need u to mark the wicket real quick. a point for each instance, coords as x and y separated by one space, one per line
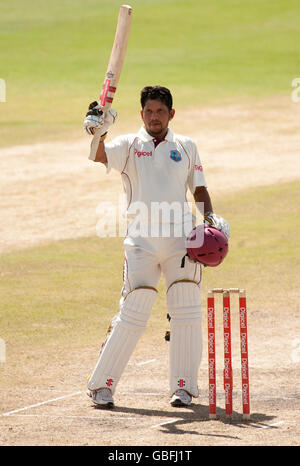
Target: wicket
228 377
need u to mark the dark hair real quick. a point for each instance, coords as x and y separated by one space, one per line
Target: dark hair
157 92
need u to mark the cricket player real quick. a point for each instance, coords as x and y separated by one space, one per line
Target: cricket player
157 167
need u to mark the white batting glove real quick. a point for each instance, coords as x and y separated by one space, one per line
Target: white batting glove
217 222
97 119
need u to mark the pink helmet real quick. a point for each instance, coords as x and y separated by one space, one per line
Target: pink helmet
207 245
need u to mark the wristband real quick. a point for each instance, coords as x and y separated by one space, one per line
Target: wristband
103 136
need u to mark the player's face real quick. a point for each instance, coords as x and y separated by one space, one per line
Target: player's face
156 117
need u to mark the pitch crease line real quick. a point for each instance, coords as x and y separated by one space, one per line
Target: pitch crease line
53 416
41 403
164 423
268 426
145 362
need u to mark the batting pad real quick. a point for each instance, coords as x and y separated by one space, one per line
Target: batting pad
128 326
184 307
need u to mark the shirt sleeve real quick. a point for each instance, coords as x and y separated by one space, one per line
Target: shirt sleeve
196 176
117 153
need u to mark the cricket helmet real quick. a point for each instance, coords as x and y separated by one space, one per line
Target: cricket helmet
207 245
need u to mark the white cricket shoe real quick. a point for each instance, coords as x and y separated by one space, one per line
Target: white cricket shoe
102 397
181 398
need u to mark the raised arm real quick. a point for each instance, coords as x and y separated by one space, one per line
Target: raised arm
97 124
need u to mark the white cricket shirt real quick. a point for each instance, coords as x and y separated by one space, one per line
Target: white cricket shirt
155 174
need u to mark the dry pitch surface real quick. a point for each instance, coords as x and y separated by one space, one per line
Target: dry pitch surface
50 192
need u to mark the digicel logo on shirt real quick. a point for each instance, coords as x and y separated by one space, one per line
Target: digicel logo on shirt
142 154
199 167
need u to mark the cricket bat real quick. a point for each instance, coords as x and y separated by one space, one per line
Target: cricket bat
117 56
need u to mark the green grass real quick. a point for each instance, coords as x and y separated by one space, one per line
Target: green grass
54 54
50 293
65 294
264 255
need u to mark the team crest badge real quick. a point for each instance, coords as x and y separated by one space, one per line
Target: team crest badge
175 155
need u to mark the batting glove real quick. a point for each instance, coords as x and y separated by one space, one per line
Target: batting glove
97 119
217 222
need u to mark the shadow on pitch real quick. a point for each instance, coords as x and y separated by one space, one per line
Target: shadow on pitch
184 417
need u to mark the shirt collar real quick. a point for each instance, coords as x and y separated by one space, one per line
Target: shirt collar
144 136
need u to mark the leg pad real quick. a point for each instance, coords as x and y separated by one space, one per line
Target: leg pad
184 307
127 328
